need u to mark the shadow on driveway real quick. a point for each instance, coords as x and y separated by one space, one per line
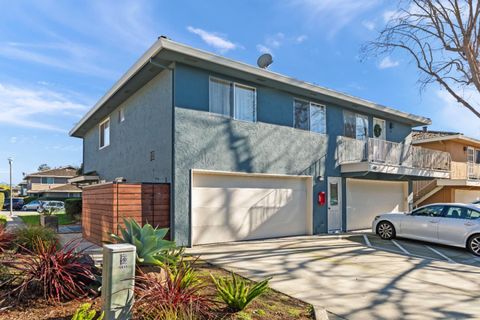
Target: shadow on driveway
352 280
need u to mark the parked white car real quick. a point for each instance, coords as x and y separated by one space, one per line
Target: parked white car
33 205
51 205
453 224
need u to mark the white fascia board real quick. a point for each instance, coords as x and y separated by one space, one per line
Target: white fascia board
165 44
203 55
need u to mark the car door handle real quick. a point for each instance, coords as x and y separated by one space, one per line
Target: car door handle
468 224
433 221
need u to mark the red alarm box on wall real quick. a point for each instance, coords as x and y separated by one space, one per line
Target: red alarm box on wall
322 198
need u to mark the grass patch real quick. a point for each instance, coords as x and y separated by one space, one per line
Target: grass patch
3 220
34 219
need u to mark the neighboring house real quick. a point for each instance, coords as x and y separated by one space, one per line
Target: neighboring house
464 182
52 183
250 153
22 186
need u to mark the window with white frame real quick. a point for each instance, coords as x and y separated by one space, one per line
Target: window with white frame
233 100
355 125
121 114
104 134
309 116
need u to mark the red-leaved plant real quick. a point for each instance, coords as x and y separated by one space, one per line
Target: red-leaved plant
170 298
6 239
55 274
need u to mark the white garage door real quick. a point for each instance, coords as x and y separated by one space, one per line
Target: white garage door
233 207
368 198
467 196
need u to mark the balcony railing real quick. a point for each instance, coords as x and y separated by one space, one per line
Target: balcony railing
464 170
390 153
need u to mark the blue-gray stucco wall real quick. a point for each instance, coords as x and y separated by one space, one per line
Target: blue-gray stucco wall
147 127
212 142
208 141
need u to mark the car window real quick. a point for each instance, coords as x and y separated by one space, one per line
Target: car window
456 213
473 214
431 211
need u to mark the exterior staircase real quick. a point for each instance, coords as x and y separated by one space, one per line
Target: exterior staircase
425 191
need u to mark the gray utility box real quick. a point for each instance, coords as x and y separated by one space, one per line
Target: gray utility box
118 280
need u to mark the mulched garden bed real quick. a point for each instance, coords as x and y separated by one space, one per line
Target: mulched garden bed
270 306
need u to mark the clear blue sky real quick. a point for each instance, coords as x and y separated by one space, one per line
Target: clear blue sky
57 58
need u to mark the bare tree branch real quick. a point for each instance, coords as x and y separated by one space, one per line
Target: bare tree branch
443 39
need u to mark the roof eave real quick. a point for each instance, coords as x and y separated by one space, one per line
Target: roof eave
165 44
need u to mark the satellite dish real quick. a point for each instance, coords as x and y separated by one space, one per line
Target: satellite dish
265 60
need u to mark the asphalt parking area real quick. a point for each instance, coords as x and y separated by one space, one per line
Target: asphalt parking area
417 249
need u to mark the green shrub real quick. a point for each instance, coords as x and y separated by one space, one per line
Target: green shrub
85 312
170 299
152 249
2 199
29 199
3 220
237 293
73 207
30 235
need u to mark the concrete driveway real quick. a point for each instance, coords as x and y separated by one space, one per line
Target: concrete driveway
354 281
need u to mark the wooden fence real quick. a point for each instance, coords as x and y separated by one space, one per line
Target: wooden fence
105 206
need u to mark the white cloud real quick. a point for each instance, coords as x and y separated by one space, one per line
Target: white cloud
277 40
452 116
387 62
67 56
390 15
263 49
333 14
300 39
213 39
36 108
13 140
369 25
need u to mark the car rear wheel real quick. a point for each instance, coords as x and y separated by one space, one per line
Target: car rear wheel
474 244
386 230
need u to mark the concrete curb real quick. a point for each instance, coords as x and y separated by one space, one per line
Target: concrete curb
322 314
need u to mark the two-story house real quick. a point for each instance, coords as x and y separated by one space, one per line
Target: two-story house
52 183
464 183
250 153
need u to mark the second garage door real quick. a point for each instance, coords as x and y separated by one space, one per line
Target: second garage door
467 196
368 198
233 207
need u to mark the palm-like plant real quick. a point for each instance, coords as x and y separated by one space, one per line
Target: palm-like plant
237 293
151 246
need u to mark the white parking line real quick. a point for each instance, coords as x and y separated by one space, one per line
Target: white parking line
441 254
367 241
400 247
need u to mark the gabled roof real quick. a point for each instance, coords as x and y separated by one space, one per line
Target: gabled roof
421 136
164 52
428 134
65 188
64 172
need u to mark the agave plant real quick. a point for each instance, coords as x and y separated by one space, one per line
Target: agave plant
237 293
152 248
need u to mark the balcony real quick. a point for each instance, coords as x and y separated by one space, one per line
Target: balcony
463 174
376 155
